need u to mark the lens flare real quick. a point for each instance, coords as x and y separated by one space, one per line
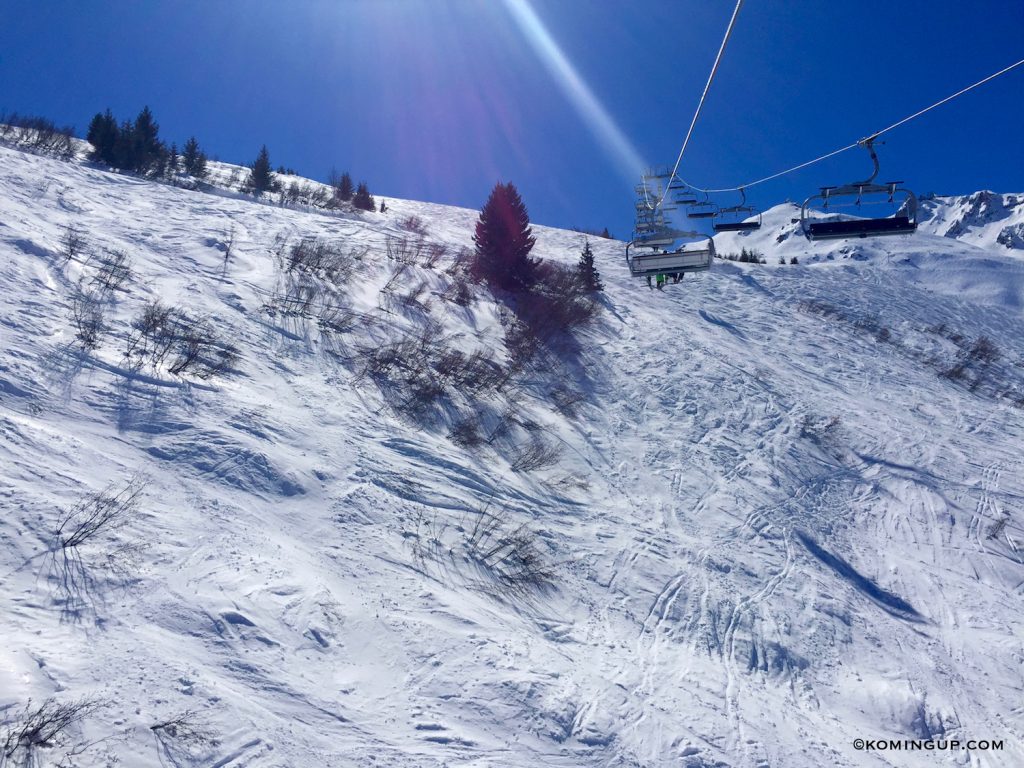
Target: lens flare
607 132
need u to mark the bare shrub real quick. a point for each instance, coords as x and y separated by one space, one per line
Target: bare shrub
48 726
201 352
567 401
73 243
977 358
458 291
334 321
151 337
476 372
462 263
413 224
414 298
510 555
465 433
404 250
418 371
996 528
296 297
557 304
434 252
983 350
88 319
396 278
100 513
320 259
820 429
184 729
37 134
570 482
536 454
522 346
114 271
503 425
87 543
230 235
187 345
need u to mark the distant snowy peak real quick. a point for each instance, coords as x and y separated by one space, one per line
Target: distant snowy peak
986 219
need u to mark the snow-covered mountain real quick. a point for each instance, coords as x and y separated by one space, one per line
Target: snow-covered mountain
985 219
765 513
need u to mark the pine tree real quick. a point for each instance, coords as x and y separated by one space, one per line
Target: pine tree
146 148
606 234
194 159
504 240
363 199
173 162
589 277
124 148
261 179
344 190
103 137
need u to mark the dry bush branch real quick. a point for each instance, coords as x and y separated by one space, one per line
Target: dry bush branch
47 726
536 454
101 513
88 318
114 272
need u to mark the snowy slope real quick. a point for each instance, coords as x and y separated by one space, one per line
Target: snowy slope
985 219
775 526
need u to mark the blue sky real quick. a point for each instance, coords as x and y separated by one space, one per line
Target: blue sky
439 99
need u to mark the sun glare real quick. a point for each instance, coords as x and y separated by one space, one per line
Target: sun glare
593 113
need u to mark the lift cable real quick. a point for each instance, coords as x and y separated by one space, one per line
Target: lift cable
858 143
700 104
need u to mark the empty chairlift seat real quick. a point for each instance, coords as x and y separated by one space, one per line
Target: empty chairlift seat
857 196
902 222
737 218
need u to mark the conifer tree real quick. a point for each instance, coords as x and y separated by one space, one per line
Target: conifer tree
194 159
124 148
261 179
146 148
103 135
344 190
173 161
504 240
589 277
363 199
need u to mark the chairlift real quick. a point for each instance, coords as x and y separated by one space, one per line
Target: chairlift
689 257
681 192
737 218
650 253
703 209
902 222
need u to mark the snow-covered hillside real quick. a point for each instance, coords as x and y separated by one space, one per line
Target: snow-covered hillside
779 508
985 219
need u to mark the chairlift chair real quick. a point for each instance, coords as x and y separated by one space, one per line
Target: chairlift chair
691 257
648 254
737 218
681 192
903 222
703 209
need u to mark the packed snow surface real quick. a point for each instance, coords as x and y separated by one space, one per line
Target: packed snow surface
786 511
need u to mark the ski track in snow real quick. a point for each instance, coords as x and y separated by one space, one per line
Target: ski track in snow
793 531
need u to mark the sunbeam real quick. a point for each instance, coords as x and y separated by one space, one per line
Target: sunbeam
593 113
